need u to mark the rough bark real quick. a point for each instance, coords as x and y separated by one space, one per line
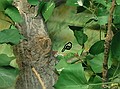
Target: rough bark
34 53
107 44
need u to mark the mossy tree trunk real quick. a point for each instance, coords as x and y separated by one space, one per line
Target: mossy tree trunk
34 53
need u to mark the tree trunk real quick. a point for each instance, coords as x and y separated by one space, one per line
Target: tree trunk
33 54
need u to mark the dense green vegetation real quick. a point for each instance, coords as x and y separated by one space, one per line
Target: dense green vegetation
84 23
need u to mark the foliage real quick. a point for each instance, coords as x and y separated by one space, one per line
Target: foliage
78 69
4 60
72 77
115 47
47 10
79 35
97 48
13 13
8 36
92 60
33 2
7 77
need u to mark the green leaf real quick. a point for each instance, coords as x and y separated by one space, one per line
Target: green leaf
96 63
96 80
6 49
41 5
102 12
62 64
100 2
5 60
11 36
7 77
14 64
72 3
114 71
69 55
117 15
80 37
72 77
115 47
3 4
118 2
47 10
10 1
33 2
97 48
102 20
14 14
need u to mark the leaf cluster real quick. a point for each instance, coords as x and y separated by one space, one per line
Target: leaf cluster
86 70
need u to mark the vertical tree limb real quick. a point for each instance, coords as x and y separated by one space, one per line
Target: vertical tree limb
107 43
34 52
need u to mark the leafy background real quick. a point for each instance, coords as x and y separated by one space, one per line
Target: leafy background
9 36
67 23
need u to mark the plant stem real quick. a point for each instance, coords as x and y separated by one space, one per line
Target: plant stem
107 44
100 83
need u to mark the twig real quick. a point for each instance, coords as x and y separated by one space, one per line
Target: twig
39 78
107 44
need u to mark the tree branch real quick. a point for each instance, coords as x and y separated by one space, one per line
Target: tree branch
107 44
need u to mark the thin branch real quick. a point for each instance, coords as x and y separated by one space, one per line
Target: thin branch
39 78
107 44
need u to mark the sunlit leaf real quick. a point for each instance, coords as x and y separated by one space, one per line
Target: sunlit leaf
80 2
118 2
33 2
6 49
14 64
115 46
5 60
4 24
97 47
7 77
14 14
47 10
11 36
72 77
5 21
